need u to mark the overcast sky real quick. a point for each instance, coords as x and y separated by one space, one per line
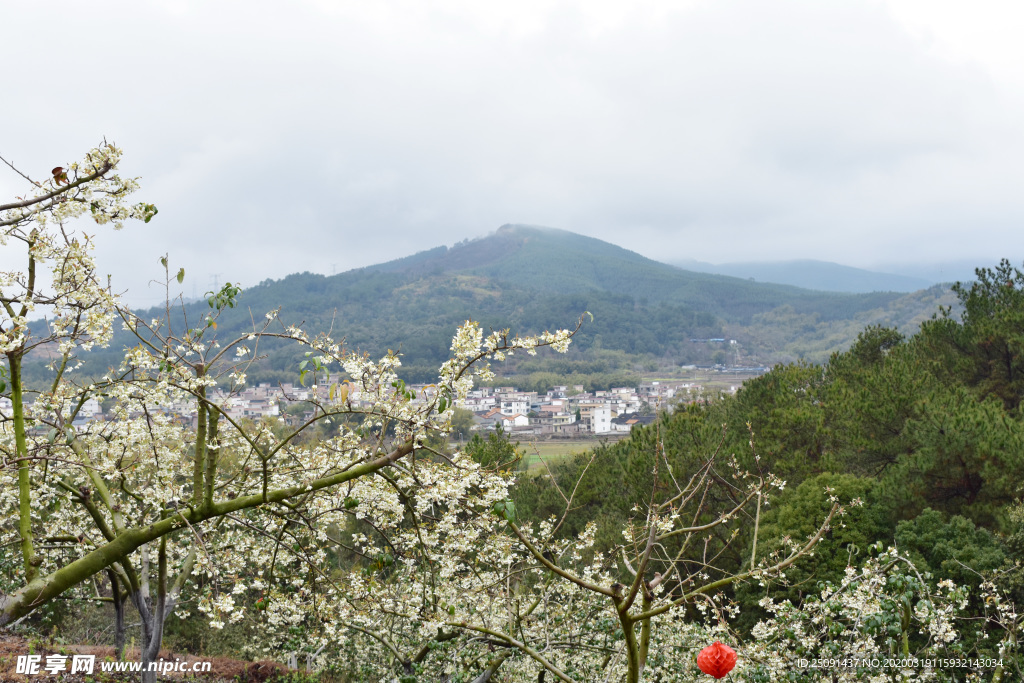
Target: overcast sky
278 137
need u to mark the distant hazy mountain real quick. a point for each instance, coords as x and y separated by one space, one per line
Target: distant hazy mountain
819 275
946 271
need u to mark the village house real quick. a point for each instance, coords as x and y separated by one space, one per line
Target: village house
596 417
562 411
508 422
514 405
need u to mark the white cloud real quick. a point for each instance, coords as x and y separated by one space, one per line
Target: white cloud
281 137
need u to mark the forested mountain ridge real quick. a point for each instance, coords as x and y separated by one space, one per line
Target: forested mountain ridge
550 260
531 279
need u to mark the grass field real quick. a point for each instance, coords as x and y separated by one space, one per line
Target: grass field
554 450
551 451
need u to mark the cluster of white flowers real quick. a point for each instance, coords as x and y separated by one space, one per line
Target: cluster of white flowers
443 572
883 610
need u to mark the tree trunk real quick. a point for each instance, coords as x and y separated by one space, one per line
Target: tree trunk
152 630
115 591
492 667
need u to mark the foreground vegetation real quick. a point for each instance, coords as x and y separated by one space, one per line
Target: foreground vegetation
864 511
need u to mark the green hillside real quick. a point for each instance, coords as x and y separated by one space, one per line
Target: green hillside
558 261
531 279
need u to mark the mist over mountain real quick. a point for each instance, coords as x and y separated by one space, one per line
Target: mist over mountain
943 271
810 274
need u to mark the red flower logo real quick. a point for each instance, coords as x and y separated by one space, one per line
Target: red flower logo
716 660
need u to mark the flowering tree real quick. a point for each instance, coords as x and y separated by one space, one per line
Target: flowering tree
60 276
174 485
885 621
643 583
454 586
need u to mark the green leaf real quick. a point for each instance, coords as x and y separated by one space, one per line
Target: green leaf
148 211
506 509
181 275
